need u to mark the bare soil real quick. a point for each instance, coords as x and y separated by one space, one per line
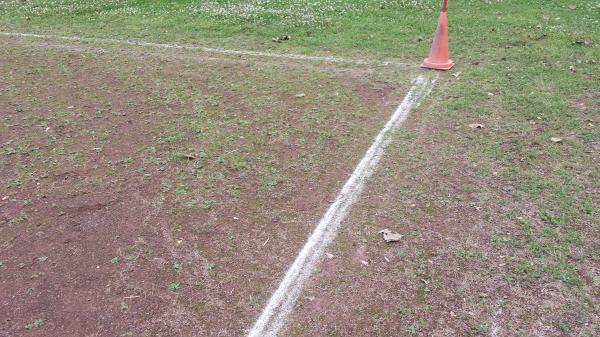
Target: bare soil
158 196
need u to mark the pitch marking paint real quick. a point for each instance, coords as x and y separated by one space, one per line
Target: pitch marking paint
282 301
495 330
332 59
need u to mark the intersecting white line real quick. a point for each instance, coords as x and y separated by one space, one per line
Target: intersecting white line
332 59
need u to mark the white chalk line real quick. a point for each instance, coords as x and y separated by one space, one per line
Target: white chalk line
334 68
281 303
332 59
495 329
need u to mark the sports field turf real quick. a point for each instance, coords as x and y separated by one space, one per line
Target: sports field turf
150 190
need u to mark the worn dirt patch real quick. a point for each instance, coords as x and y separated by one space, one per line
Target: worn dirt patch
160 196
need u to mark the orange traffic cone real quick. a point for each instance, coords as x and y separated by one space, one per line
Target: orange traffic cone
438 55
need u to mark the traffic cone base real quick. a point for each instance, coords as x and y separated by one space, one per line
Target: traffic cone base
437 65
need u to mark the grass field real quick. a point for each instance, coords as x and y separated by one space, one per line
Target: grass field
164 192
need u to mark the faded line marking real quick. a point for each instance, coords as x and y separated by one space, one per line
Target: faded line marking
282 301
495 329
195 58
332 59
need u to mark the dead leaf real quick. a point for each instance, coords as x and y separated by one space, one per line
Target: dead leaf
538 37
555 139
584 42
476 126
390 236
279 39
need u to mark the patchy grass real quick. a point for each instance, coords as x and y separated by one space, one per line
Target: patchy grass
143 174
35 324
500 224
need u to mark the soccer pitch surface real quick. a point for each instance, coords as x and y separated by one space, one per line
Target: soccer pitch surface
156 186
177 183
